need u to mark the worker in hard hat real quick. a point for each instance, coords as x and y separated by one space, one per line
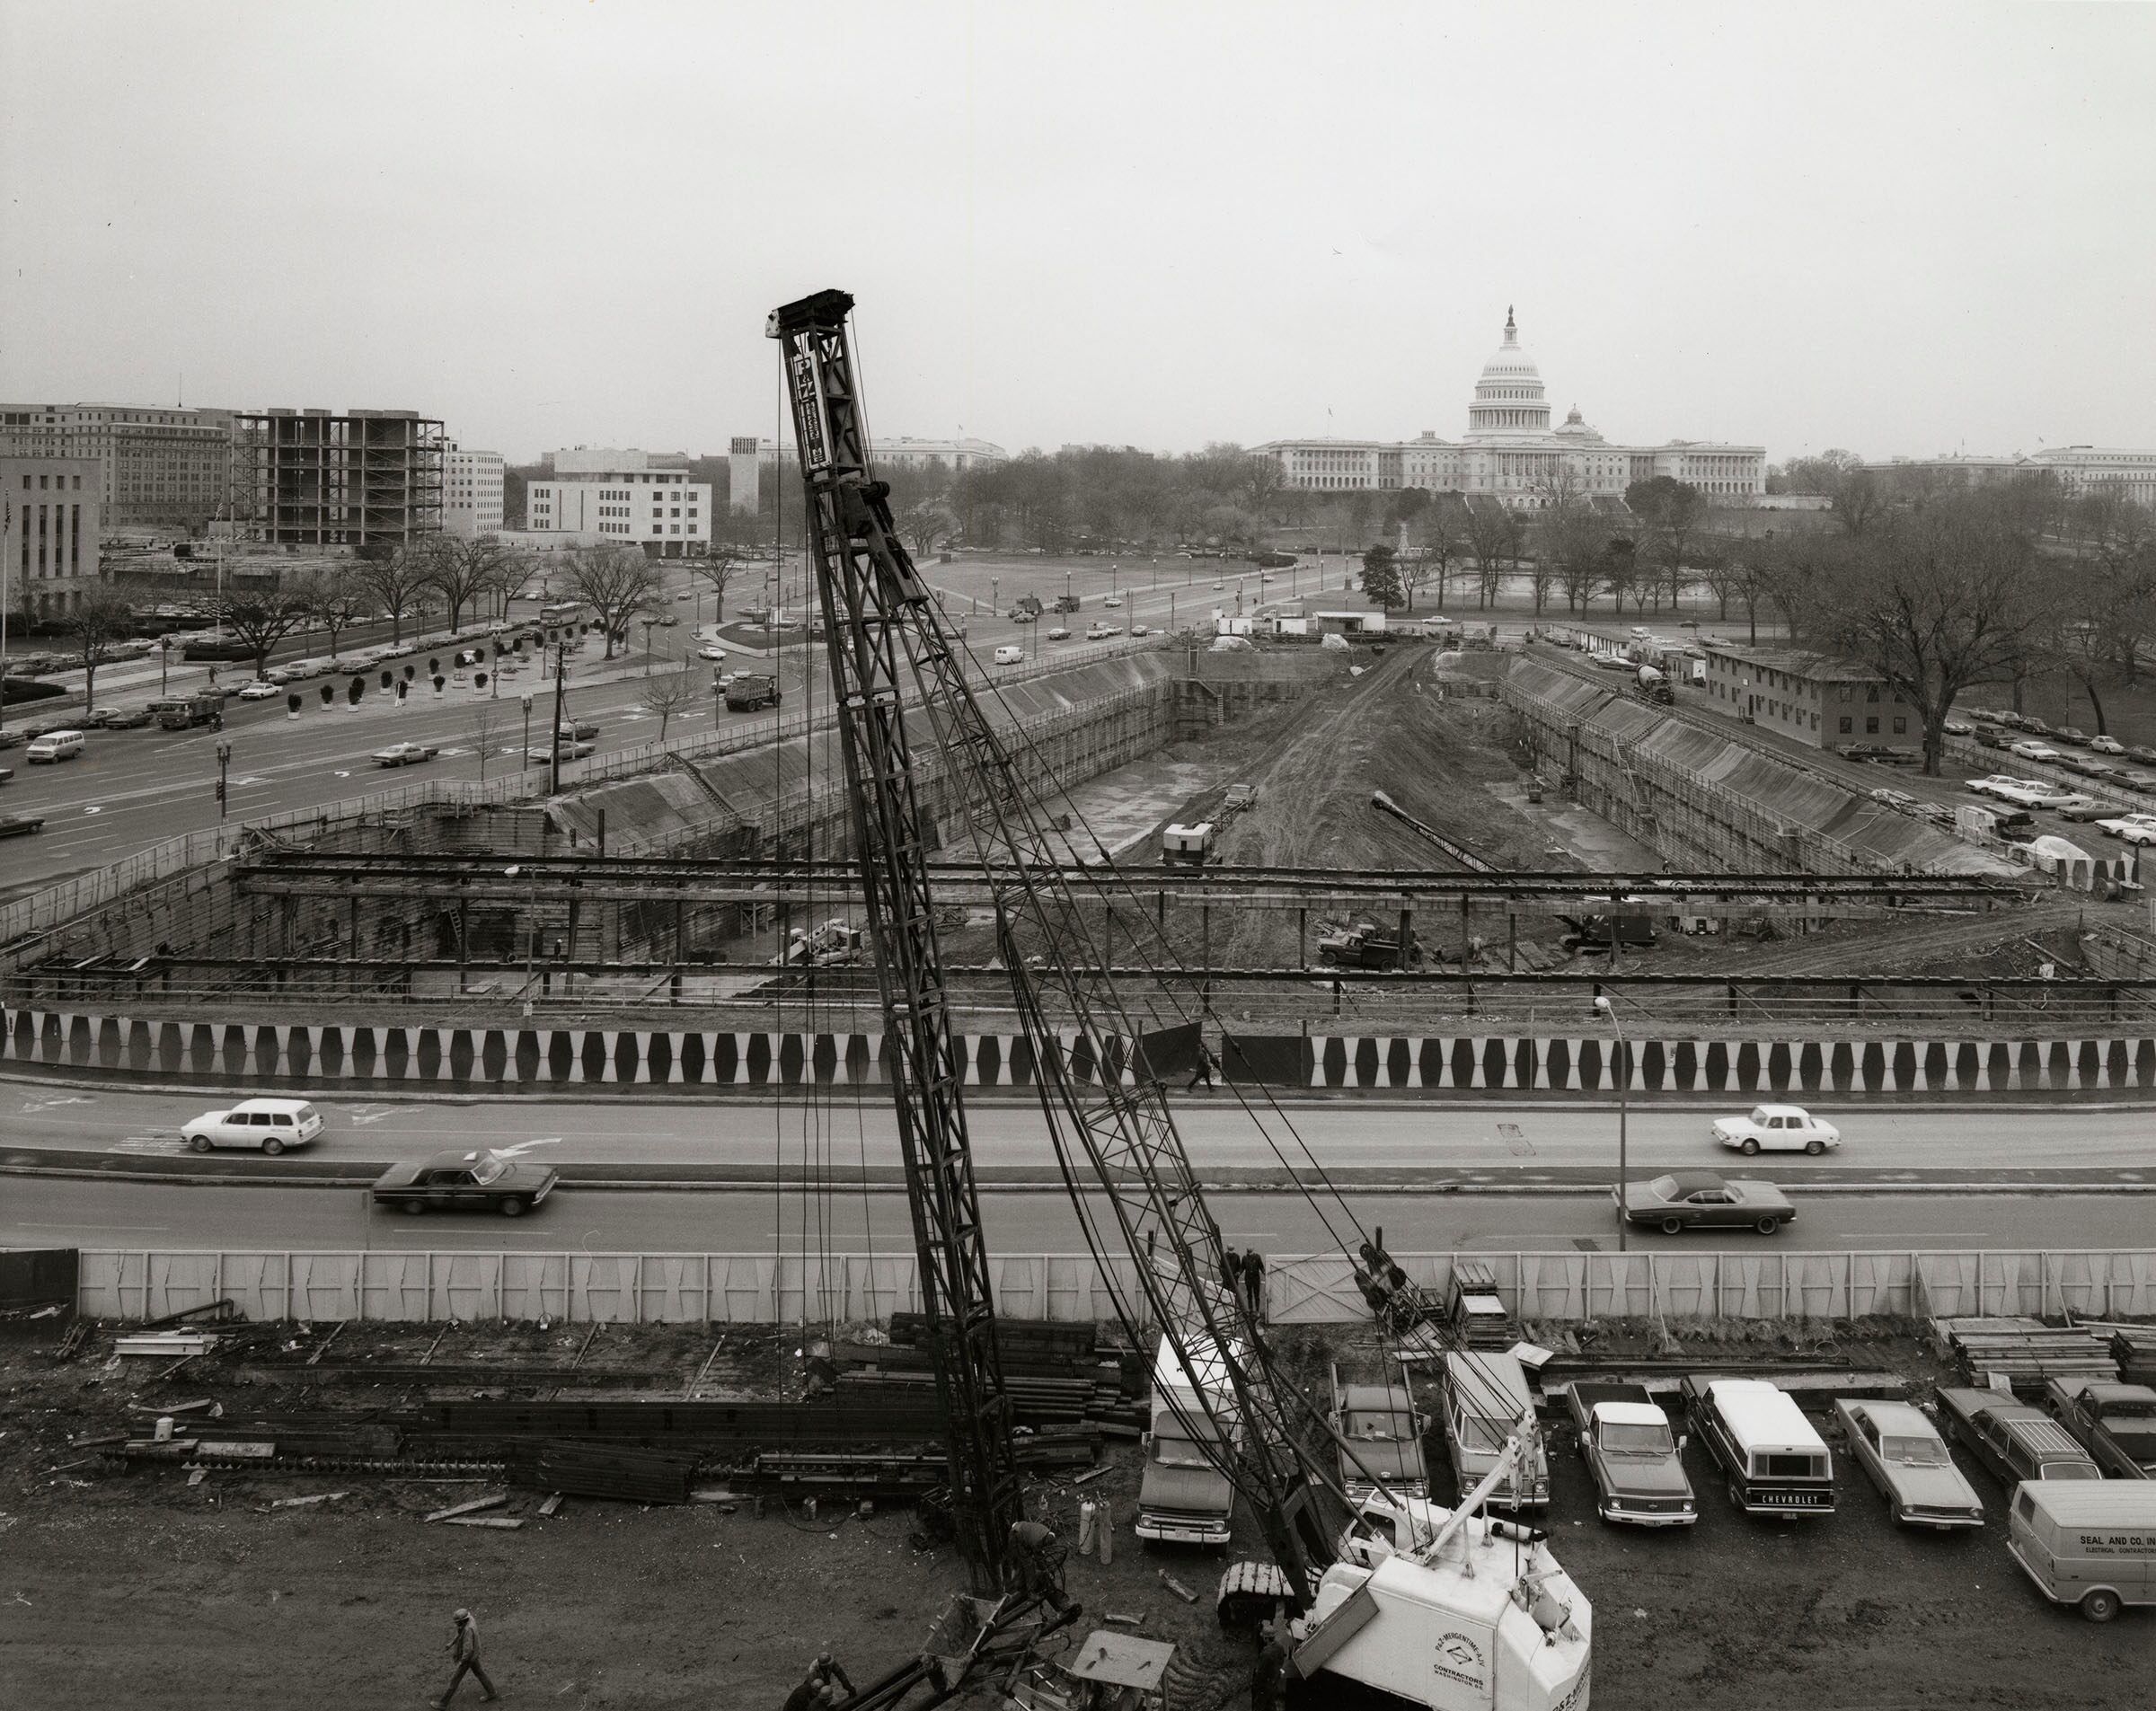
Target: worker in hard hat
1036 1562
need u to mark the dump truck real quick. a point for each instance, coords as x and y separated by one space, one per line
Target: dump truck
1067 603
1636 1461
750 691
180 712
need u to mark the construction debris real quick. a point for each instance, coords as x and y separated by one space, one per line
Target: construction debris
303 1502
477 1504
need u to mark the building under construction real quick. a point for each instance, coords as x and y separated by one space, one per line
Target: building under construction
320 480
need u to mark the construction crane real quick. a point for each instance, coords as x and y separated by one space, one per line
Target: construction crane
891 655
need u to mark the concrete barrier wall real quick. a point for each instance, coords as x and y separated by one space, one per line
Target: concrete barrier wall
536 1059
578 1288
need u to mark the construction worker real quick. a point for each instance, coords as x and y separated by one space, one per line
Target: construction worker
464 1651
1204 1072
827 1672
813 1695
1036 1557
1231 1270
1268 1679
1253 1283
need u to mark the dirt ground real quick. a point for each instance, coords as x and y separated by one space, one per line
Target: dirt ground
135 1589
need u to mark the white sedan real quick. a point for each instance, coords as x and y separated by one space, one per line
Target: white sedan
2132 828
2032 750
260 690
710 651
402 754
1777 1128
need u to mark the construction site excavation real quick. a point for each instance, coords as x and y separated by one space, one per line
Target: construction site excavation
1063 1029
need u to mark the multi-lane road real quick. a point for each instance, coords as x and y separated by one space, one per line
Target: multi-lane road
1535 1172
133 788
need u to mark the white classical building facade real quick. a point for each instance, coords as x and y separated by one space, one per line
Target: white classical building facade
2080 469
1511 452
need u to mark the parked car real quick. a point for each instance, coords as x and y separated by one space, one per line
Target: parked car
466 1182
1682 1200
1989 738
402 754
2115 1422
1777 1128
2014 1440
2143 752
268 1125
20 825
2072 734
1903 1455
2031 750
2138 780
1638 1466
2136 829
2106 746
1958 727
1384 1429
1486 1398
2083 809
1774 1460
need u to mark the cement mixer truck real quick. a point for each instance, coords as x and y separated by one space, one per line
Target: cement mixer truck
1651 684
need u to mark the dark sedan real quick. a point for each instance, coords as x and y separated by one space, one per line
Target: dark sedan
1684 1200
466 1182
21 825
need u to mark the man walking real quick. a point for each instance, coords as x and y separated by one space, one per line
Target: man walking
1253 1285
464 1651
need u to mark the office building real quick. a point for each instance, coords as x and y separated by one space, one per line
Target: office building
471 491
1511 453
313 479
157 468
1822 702
597 496
51 518
744 471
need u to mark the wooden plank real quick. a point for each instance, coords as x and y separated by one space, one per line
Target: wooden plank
454 1510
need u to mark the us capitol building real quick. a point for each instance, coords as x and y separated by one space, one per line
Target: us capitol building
1510 452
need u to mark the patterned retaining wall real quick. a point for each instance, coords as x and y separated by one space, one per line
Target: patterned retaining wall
535 1059
578 1288
506 1058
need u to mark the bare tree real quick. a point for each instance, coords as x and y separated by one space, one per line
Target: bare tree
716 572
1440 529
1488 533
486 715
461 571
100 618
923 524
1671 511
616 583
677 692
335 599
263 620
513 574
1569 547
1934 599
394 576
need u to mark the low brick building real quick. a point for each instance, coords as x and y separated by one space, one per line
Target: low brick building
1817 699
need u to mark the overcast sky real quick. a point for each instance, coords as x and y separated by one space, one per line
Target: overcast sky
561 222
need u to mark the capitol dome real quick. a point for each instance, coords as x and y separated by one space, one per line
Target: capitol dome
1574 428
1508 397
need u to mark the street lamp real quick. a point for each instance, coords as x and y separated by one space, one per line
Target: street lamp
224 765
648 623
1624 1077
164 665
527 727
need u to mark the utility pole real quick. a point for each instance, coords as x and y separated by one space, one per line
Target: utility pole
224 765
1624 1076
553 759
527 727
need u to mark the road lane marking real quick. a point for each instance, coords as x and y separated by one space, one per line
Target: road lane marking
523 1147
147 1227
64 1099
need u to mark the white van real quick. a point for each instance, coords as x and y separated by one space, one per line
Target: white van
270 1125
1010 654
56 745
2087 1542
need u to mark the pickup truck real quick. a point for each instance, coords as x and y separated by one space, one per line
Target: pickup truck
1637 1463
1183 1499
2115 1423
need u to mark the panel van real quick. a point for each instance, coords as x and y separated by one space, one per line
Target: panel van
2087 1542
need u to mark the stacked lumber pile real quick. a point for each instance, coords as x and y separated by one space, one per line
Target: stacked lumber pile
1054 1372
2025 1353
2134 1347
